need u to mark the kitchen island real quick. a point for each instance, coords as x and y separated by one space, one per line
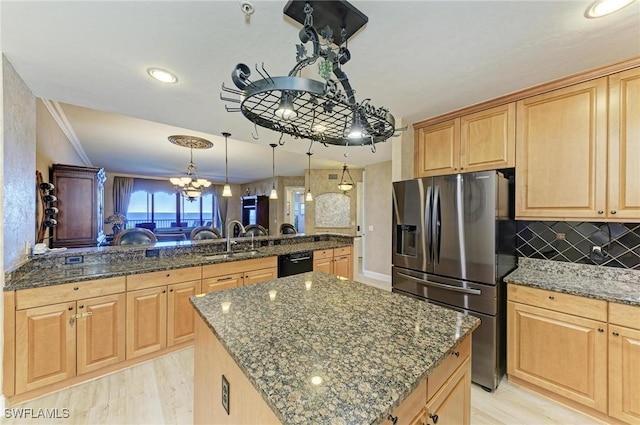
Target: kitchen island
315 348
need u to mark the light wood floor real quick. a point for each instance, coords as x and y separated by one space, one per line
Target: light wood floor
161 392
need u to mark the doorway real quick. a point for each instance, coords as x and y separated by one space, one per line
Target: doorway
294 209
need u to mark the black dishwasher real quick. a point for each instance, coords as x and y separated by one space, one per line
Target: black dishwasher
297 262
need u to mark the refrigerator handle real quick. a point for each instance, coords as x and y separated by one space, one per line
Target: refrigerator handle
427 222
436 225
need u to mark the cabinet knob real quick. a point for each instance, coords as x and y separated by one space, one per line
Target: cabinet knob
461 168
434 418
600 330
616 334
455 169
75 288
456 353
600 212
170 290
551 297
81 306
393 419
168 274
70 308
613 211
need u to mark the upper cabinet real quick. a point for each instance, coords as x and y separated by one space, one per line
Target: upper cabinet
480 141
624 146
561 145
579 151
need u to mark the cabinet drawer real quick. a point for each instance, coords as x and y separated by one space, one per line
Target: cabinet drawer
232 267
219 283
556 301
444 371
411 407
165 277
345 250
624 315
322 254
35 297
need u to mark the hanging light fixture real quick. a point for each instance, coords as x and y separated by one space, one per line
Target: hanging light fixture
345 185
274 193
226 191
309 196
324 109
190 186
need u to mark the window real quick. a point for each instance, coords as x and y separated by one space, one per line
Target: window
171 210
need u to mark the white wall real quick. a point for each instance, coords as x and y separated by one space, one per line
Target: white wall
378 208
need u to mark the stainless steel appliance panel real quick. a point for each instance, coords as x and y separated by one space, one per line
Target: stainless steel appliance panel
410 216
463 294
464 226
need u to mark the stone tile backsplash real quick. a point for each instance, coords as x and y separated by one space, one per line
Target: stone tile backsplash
573 242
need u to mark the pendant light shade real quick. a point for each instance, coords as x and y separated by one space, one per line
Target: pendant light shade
226 191
274 193
309 196
346 185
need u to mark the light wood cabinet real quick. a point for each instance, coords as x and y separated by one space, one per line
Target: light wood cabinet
180 313
217 277
262 275
218 283
55 342
146 321
100 332
623 197
624 363
580 351
480 141
45 346
337 261
451 405
587 137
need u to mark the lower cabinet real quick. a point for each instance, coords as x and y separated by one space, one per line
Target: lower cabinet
337 261
216 277
55 342
581 351
444 397
180 314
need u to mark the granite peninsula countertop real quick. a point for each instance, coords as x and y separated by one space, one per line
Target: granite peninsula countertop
591 281
122 266
370 347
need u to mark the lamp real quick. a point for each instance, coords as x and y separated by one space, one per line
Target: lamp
324 109
274 193
226 191
117 220
191 186
345 185
309 196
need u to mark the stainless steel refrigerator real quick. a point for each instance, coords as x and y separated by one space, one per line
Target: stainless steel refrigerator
453 242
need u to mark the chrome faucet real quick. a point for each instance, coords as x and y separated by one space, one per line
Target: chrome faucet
229 233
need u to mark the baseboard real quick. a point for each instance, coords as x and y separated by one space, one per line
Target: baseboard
377 276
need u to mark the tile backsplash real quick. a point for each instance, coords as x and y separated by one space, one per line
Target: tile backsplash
574 241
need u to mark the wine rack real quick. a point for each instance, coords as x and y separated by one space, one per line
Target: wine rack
49 210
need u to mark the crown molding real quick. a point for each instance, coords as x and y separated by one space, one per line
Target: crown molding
58 115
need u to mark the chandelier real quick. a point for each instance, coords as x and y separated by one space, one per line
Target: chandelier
345 185
190 186
323 110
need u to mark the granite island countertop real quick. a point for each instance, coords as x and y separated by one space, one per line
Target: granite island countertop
122 267
585 280
370 347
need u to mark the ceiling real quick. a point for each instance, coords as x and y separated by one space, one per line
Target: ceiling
418 58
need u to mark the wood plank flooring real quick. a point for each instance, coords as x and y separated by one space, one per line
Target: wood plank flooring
161 392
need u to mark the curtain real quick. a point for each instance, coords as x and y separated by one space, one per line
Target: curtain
223 204
153 186
122 190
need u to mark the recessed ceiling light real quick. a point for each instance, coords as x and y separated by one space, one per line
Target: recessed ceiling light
604 7
162 75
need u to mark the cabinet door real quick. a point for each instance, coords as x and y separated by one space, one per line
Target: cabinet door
256 276
180 312
342 266
564 354
624 146
624 374
488 139
146 321
323 265
561 140
437 149
101 332
219 283
45 346
451 405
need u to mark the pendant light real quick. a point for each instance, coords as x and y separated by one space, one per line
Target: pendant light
274 193
309 196
345 185
226 191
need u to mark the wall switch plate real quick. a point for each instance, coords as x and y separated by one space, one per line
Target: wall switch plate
74 259
225 394
371 228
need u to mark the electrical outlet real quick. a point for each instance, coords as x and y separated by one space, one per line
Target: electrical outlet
560 236
225 394
27 248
